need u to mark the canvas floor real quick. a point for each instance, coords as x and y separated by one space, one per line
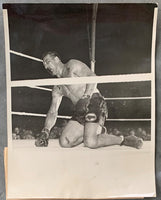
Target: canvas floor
80 172
54 144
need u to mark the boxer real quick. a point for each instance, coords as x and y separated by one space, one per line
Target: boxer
90 113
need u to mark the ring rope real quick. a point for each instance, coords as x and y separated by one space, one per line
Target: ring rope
128 120
69 117
84 80
38 115
26 56
114 98
127 98
41 88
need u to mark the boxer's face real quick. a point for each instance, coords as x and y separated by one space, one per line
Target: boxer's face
50 64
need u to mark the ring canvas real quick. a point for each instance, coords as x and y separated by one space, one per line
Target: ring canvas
124 64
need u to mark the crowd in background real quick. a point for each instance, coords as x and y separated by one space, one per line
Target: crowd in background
144 133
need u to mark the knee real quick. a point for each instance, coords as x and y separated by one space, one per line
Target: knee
64 142
91 143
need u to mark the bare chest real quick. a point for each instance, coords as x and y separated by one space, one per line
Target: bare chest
73 92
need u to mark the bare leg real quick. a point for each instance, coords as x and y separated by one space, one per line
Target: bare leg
94 140
72 134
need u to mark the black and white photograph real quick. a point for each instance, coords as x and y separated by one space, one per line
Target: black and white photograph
81 99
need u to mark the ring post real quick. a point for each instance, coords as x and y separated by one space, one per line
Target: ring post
93 36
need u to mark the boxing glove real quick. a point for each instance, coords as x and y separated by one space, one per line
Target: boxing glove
42 140
82 104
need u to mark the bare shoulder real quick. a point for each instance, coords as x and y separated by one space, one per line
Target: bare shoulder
72 63
78 68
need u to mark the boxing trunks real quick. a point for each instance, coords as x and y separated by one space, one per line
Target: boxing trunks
96 111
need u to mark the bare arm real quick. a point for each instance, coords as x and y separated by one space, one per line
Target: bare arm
42 140
90 87
53 111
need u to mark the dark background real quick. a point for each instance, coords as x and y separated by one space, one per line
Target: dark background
3 130
123 36
123 46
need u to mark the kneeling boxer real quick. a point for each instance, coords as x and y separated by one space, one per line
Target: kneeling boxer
87 122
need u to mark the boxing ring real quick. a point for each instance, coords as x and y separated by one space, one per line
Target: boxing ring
105 169
38 84
135 165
